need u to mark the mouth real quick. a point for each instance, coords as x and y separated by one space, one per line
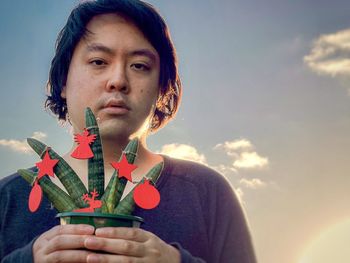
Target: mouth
116 107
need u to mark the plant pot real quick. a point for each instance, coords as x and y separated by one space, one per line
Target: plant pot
99 219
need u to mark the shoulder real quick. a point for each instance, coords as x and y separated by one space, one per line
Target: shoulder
13 187
198 174
13 181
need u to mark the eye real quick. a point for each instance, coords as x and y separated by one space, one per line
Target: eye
97 62
140 67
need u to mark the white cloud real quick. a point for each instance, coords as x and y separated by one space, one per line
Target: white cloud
241 151
330 54
250 160
39 135
243 155
22 146
254 183
15 145
230 146
183 151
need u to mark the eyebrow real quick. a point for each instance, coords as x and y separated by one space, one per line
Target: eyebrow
99 48
139 52
144 52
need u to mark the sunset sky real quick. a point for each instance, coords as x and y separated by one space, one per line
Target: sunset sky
266 102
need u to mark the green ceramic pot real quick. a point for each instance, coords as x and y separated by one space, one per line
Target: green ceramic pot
99 219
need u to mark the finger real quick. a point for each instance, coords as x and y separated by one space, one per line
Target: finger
116 246
68 256
104 258
79 229
65 242
127 233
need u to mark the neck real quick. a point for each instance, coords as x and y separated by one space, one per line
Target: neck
112 149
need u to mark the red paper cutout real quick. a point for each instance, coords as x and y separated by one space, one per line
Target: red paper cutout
84 140
91 201
146 195
46 166
124 168
35 197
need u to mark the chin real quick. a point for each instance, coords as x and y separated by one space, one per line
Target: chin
108 128
115 131
112 129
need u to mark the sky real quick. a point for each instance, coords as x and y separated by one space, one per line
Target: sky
266 101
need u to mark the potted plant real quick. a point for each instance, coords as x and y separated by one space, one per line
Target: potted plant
96 206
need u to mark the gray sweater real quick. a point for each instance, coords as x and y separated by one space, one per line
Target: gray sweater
198 214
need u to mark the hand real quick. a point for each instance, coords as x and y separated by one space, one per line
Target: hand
62 243
132 245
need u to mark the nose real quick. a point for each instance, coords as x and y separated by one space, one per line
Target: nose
118 80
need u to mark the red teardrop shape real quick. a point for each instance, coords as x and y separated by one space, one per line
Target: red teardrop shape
35 197
146 195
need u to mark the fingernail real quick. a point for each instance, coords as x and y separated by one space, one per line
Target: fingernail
101 231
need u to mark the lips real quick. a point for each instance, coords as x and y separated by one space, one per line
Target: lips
116 103
116 106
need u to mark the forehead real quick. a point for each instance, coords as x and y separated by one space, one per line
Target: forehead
109 19
116 30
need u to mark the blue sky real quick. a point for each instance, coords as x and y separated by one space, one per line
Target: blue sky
273 122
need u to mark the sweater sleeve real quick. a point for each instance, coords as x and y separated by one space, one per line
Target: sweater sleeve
8 251
20 255
186 256
13 244
19 228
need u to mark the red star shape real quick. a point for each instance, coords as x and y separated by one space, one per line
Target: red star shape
124 168
46 166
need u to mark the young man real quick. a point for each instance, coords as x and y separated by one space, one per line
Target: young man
116 57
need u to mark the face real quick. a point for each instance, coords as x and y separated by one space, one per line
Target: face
114 71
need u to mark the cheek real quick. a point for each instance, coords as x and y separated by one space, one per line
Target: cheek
81 88
79 96
145 99
79 78
150 86
74 93
148 96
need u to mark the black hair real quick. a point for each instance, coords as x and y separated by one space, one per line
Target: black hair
149 22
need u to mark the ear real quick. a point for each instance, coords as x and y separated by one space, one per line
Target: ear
63 92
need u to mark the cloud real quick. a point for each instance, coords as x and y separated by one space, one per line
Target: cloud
241 151
243 155
250 160
254 183
39 135
330 54
234 145
183 151
22 146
